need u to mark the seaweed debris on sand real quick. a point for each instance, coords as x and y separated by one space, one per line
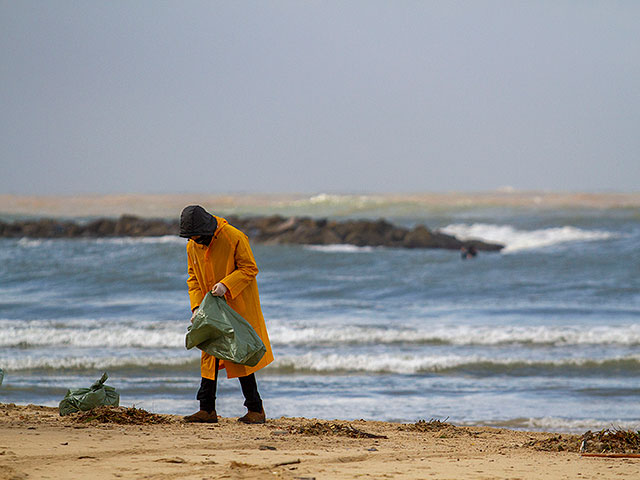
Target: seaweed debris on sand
432 425
121 416
605 441
611 441
332 428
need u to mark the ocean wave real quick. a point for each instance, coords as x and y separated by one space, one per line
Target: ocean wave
333 200
339 248
555 424
93 333
516 240
460 335
323 363
469 365
30 242
93 362
163 239
90 334
170 239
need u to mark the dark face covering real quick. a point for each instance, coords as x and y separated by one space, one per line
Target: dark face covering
195 221
203 240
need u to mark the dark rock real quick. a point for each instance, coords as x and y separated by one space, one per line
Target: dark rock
103 227
442 240
419 237
365 233
274 229
480 245
128 226
395 237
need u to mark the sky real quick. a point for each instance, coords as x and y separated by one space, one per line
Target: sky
318 96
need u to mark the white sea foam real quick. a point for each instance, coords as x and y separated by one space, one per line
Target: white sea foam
171 239
555 424
28 362
579 425
460 335
93 333
328 199
321 362
90 334
387 363
26 242
339 248
516 240
307 362
414 364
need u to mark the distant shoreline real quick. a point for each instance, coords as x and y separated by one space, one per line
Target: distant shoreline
170 205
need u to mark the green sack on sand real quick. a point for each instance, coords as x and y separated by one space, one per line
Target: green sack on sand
219 330
96 395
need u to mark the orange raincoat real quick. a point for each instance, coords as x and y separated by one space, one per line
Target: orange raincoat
228 259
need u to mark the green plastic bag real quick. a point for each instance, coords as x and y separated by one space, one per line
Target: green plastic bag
96 395
219 330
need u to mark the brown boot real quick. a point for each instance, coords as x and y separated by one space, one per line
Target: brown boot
253 417
202 417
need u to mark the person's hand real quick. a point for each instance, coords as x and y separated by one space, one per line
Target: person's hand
193 314
219 290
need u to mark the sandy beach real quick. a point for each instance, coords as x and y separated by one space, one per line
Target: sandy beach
36 443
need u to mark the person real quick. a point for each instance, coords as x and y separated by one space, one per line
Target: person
220 260
468 252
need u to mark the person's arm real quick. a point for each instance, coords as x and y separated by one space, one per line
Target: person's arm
195 293
246 269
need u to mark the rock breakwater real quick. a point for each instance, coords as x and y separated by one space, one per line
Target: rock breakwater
273 229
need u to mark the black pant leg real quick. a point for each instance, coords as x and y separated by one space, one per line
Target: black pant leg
207 394
249 385
207 391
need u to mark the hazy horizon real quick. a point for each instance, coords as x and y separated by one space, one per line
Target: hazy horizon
501 190
285 97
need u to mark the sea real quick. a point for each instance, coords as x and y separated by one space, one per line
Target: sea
544 335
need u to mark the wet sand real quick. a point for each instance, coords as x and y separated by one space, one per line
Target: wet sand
36 443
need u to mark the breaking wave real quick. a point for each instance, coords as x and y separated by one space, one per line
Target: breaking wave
117 336
323 363
516 240
339 248
164 239
171 239
461 335
555 424
409 364
92 362
40 333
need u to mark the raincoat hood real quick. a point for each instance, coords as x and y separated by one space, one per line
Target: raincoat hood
196 221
